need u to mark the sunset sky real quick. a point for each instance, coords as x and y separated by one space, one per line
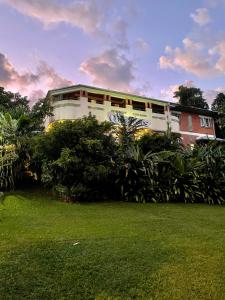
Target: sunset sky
146 47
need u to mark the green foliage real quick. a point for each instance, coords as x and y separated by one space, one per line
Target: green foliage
134 171
125 128
191 96
159 142
218 105
173 176
76 156
211 173
81 161
39 112
12 103
8 128
7 160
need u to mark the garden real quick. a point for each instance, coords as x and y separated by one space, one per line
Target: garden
93 210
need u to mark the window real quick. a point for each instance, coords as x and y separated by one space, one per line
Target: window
71 96
157 109
189 122
97 98
205 122
138 105
118 102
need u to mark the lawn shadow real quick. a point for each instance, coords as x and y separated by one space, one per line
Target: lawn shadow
118 268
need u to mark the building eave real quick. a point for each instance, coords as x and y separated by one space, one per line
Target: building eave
101 90
194 110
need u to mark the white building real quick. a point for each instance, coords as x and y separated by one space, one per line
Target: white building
76 101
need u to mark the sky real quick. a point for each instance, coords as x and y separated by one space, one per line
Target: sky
144 47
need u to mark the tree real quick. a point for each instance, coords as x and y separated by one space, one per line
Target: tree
219 103
13 103
160 142
191 96
8 127
76 157
125 128
39 112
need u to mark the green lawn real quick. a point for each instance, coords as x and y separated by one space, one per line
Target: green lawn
53 250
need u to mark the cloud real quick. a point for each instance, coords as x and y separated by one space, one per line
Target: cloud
201 16
32 84
168 93
142 44
219 51
110 69
214 3
118 34
86 15
143 89
193 58
210 95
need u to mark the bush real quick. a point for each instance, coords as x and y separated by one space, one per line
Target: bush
159 142
81 161
77 155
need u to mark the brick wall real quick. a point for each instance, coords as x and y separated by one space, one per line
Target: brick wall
191 123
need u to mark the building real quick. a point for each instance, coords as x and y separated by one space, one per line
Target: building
76 101
195 123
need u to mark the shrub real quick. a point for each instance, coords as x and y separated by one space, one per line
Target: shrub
77 155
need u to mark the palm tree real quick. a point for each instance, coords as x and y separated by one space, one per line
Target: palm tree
125 128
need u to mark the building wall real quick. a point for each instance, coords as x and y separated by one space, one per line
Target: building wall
83 100
72 109
190 128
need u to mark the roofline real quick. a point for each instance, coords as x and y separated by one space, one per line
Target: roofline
193 108
108 91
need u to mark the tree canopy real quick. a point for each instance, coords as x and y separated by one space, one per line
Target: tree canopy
29 118
191 96
219 106
219 103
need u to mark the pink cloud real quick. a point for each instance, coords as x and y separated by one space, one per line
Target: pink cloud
32 84
86 15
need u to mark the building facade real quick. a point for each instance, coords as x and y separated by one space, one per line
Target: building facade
74 102
195 123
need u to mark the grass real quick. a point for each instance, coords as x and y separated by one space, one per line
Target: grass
53 250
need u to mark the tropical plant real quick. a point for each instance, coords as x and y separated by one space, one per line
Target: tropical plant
125 128
159 142
212 173
8 128
76 157
7 160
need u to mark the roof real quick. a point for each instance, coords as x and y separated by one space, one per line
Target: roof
101 90
209 139
193 109
173 106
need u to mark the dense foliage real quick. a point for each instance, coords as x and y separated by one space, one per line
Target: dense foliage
84 160
18 124
218 105
75 157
